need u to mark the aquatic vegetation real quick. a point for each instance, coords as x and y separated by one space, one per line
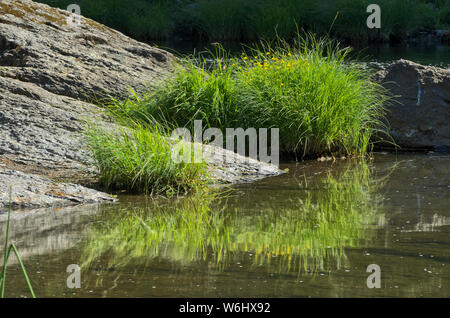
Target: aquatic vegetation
6 253
320 102
139 159
307 235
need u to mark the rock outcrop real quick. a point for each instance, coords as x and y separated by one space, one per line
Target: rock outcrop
49 71
31 191
419 117
53 70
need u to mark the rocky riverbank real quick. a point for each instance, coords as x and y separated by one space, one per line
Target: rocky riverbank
53 73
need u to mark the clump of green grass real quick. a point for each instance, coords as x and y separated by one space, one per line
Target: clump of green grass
139 159
320 102
7 252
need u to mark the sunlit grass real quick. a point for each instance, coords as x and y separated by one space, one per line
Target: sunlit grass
320 102
304 235
139 159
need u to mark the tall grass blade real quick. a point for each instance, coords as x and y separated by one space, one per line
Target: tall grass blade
6 254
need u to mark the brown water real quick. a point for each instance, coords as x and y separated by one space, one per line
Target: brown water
310 232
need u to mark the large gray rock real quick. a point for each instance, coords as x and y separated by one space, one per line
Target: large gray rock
49 68
52 73
419 117
24 191
39 45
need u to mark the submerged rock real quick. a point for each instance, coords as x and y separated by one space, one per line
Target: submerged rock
52 73
419 117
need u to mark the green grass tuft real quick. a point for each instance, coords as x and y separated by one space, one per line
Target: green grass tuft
320 102
139 159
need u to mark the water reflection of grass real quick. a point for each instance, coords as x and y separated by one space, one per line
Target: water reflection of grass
305 234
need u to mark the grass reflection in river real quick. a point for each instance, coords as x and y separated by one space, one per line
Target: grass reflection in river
307 235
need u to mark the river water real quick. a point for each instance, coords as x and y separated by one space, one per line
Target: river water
424 52
310 232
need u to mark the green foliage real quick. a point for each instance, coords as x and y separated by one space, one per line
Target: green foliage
444 15
139 159
142 19
320 103
312 227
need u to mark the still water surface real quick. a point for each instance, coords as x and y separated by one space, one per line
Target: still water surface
426 53
310 232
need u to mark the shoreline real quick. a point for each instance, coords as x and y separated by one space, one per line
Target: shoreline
48 70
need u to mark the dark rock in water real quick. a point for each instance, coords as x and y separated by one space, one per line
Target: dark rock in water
419 117
51 71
